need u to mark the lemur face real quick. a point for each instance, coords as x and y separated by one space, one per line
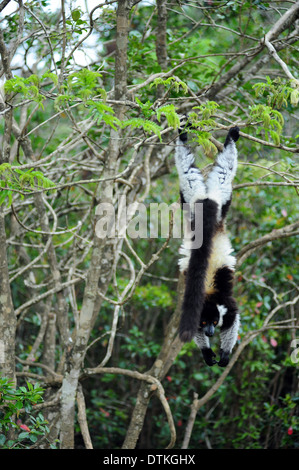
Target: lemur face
208 327
209 318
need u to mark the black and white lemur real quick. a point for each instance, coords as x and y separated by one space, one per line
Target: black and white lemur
209 270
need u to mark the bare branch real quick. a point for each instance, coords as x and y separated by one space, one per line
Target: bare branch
287 231
144 377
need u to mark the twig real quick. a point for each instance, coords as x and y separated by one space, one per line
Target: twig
40 297
287 231
156 386
82 418
116 311
283 65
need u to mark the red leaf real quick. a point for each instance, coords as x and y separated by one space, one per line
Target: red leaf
273 342
290 431
24 427
169 378
106 413
180 422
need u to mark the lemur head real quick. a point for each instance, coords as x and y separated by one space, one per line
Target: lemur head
209 318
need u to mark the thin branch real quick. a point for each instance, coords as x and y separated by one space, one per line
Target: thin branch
43 296
283 65
156 386
82 418
41 232
287 231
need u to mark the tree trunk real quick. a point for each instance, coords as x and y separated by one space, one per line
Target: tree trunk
7 314
170 349
99 273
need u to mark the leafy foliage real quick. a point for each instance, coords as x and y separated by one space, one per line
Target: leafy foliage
278 92
14 179
147 126
17 406
171 83
69 116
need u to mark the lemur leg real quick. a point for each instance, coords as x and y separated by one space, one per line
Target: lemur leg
229 317
203 343
192 185
219 181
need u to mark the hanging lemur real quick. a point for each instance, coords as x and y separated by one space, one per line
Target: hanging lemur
209 269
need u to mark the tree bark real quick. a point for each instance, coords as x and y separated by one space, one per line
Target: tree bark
161 41
7 314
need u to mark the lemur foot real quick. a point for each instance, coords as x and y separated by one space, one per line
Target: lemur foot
185 124
234 133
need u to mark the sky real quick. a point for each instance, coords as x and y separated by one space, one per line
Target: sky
81 58
88 52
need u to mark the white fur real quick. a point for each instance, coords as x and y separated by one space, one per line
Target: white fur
220 257
201 340
222 311
219 180
185 251
228 338
192 182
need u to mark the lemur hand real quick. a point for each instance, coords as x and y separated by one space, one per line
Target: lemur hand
224 358
208 356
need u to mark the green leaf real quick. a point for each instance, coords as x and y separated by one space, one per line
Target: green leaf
169 112
147 126
171 82
76 15
52 76
23 435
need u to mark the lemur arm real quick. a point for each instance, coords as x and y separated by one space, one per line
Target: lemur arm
228 337
203 343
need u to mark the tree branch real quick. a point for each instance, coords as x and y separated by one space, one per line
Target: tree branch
287 231
155 386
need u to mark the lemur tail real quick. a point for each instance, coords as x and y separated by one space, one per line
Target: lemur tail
195 276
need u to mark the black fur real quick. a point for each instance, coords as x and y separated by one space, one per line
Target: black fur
233 134
195 279
208 356
210 312
225 208
200 313
224 280
182 198
224 358
183 136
